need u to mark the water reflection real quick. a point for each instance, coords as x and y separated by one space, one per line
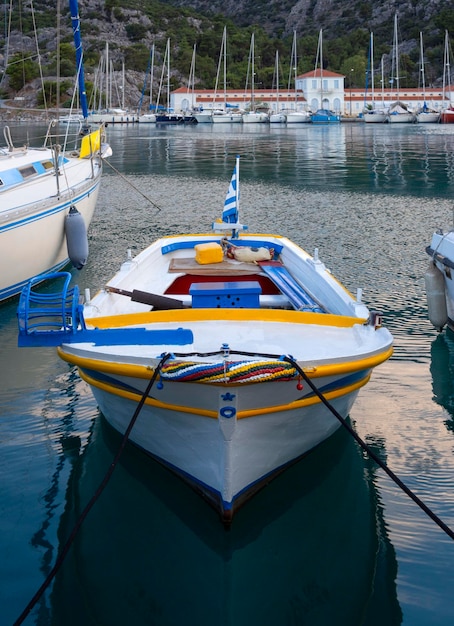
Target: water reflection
442 370
310 548
412 159
357 157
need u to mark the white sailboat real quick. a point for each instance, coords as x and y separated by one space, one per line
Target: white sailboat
372 114
323 115
425 114
278 117
398 111
224 116
149 117
110 114
48 196
295 116
447 115
253 116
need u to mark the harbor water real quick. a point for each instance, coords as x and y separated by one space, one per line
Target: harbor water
333 540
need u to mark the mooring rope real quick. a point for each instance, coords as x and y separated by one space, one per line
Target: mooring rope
64 551
227 371
131 185
345 424
370 452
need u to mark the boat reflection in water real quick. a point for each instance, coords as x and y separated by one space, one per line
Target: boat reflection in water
442 370
310 548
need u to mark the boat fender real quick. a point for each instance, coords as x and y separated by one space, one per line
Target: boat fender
436 296
76 238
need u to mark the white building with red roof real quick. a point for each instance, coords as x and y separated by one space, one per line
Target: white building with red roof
314 90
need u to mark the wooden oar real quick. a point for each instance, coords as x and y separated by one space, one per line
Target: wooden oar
158 302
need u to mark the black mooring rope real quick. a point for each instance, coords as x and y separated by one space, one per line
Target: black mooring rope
62 555
370 452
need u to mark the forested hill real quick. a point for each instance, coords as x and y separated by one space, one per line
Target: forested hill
132 27
336 17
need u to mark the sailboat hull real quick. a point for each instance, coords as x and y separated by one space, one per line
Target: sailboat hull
374 117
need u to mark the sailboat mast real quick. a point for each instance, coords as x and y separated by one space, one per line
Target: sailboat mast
423 77
321 69
192 77
225 69
252 72
446 68
396 56
75 22
168 75
372 82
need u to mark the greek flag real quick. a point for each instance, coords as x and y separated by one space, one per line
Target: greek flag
232 199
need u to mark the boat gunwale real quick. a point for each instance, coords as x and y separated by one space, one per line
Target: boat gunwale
146 371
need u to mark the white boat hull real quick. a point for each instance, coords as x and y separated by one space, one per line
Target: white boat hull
401 118
429 117
255 118
442 252
113 118
206 373
225 459
278 118
204 118
32 216
298 117
374 118
213 411
147 118
227 118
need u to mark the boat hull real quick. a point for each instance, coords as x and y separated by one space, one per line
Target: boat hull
206 373
36 213
429 117
225 458
374 118
255 118
169 530
298 118
441 251
447 116
224 420
401 118
227 118
325 117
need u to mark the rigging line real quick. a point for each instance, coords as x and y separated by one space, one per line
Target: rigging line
370 452
133 186
62 555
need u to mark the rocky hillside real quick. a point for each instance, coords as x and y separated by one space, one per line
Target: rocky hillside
132 27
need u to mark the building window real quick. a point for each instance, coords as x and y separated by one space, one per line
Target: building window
325 84
336 83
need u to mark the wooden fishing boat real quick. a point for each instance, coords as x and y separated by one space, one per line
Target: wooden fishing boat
227 344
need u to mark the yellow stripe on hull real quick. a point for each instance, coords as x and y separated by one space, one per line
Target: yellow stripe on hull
298 404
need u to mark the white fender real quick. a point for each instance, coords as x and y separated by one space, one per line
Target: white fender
76 238
436 296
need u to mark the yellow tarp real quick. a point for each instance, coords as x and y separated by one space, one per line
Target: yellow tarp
90 144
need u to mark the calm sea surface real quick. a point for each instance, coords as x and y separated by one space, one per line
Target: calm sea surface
331 541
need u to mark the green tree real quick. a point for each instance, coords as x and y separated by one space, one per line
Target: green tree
21 70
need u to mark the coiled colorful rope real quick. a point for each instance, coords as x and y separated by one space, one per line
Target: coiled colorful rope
227 371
